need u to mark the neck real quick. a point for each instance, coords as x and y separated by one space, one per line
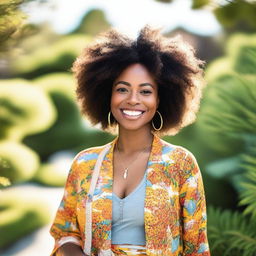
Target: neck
133 141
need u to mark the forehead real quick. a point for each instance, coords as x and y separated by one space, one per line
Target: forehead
136 73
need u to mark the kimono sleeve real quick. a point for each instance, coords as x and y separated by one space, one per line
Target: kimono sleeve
193 209
65 227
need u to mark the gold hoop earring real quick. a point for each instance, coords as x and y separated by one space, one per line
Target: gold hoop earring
109 121
162 122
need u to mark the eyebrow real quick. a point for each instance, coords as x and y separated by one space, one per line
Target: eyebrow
128 84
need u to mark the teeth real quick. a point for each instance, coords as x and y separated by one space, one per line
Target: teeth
132 113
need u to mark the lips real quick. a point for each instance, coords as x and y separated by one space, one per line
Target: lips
132 113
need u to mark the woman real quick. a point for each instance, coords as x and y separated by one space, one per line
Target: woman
149 197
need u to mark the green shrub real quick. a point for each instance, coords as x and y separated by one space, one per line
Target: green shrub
18 163
20 215
57 57
24 109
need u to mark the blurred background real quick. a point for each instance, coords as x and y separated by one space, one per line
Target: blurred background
41 129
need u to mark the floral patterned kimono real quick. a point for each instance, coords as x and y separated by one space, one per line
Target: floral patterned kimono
174 210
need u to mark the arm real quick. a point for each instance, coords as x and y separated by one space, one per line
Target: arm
69 249
65 228
193 209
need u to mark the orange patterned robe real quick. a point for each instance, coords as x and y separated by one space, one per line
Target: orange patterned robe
175 210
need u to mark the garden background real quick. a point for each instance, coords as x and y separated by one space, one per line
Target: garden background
41 129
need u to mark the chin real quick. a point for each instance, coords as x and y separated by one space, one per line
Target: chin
134 127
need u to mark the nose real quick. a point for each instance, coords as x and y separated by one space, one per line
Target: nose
133 98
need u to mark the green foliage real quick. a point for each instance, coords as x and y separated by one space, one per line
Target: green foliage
241 51
17 162
4 181
247 55
241 58
10 20
224 167
93 23
231 106
200 3
21 213
229 111
56 57
233 15
229 102
24 109
50 175
69 131
230 233
239 14
12 27
248 194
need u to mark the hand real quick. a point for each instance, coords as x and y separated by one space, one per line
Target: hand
70 249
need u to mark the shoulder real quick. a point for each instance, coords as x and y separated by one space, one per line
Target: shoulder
176 152
180 157
182 162
88 154
87 157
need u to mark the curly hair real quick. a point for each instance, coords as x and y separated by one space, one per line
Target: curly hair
171 61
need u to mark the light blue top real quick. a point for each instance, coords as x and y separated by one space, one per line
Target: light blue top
128 217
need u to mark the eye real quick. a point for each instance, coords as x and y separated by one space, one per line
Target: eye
121 89
146 92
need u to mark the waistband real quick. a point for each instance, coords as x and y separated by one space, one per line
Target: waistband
129 250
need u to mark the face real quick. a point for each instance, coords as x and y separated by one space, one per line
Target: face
134 98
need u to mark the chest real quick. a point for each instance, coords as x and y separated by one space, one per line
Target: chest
161 200
128 174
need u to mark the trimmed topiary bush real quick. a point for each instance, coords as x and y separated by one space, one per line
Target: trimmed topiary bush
20 214
18 163
24 109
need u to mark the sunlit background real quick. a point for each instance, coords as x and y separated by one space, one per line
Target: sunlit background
41 128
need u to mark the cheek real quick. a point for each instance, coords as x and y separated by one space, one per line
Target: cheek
115 101
153 103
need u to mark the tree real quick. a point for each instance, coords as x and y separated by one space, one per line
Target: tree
233 15
229 111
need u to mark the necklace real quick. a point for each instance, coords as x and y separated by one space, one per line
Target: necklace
130 164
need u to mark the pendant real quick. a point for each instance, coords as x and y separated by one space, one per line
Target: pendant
125 173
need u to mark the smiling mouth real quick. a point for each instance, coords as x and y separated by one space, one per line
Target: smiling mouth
132 113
